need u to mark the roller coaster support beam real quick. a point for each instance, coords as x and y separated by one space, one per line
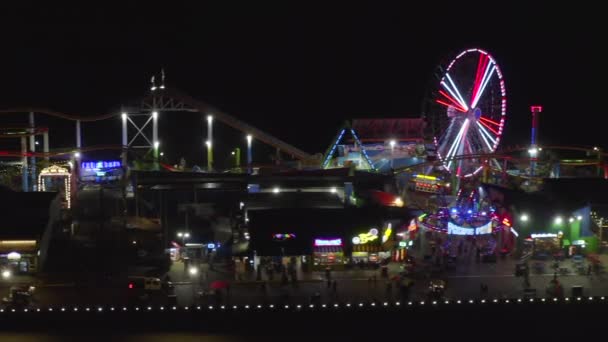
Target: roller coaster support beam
45 145
78 137
24 173
209 143
125 140
33 172
155 141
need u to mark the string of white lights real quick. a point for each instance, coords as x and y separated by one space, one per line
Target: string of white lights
334 306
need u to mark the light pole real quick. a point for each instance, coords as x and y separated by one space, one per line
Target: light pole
209 156
392 143
209 142
183 236
536 110
194 275
249 140
237 157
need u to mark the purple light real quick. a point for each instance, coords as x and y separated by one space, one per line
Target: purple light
328 242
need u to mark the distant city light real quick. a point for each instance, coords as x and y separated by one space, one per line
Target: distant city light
276 190
524 217
333 190
558 220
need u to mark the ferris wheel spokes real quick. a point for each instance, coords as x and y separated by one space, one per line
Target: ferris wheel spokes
471 127
480 83
454 92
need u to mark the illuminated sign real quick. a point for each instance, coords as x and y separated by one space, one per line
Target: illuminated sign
328 242
283 237
364 238
387 233
100 165
413 225
13 256
402 244
543 235
211 245
506 222
458 230
426 177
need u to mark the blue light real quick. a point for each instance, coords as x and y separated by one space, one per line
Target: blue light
97 165
454 211
469 211
211 245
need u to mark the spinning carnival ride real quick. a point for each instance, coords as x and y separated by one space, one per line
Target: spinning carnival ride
466 112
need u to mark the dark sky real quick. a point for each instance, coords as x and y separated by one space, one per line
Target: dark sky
299 71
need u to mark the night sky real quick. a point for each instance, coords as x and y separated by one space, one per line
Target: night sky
298 71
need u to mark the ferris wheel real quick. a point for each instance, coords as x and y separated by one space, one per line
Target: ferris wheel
466 111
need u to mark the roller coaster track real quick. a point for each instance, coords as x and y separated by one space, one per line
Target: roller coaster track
503 155
178 101
63 152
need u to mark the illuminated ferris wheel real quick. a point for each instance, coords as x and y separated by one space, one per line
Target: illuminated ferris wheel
467 110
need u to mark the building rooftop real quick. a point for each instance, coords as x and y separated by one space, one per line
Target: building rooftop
24 214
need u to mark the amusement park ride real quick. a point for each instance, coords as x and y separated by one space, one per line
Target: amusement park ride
450 149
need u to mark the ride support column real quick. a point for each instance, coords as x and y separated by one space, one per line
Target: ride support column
33 172
24 166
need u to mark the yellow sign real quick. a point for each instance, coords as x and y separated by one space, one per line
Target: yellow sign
364 238
387 233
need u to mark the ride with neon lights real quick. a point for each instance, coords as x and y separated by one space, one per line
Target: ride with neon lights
468 112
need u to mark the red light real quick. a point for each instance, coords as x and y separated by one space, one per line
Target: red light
488 127
130 285
536 109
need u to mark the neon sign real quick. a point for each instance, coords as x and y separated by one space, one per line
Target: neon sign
100 165
458 230
506 222
328 242
283 237
387 233
413 225
543 235
364 238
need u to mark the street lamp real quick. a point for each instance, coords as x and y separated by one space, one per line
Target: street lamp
558 220
183 236
524 218
392 143
209 142
249 139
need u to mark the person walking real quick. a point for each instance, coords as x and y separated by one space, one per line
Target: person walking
589 268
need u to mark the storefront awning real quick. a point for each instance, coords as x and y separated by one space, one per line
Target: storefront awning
328 249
